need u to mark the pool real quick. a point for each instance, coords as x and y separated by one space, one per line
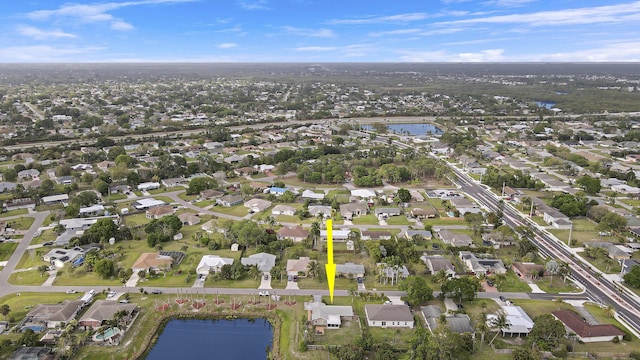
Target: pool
35 328
106 335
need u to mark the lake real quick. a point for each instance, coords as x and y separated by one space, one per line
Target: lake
411 129
546 104
207 339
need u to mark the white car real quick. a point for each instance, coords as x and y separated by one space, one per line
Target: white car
263 293
111 294
71 291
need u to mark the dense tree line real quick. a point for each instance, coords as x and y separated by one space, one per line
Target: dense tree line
516 179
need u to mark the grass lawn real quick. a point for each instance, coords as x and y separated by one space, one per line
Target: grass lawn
114 197
23 223
166 199
136 219
342 196
21 304
47 235
630 202
538 220
535 308
603 263
158 191
80 277
557 285
247 282
238 210
368 219
186 197
14 212
205 203
294 219
32 258
511 283
6 249
578 238
399 220
31 277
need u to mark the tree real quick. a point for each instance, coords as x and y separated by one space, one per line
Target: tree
612 222
101 231
403 195
590 185
5 310
552 267
417 290
499 322
633 277
85 198
463 288
475 221
106 268
199 184
546 332
254 272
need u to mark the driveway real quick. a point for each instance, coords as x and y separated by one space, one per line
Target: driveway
265 281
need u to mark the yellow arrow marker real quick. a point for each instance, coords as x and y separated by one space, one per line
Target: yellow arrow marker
330 266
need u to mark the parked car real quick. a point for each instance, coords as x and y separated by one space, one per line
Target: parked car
503 299
71 291
48 243
156 291
263 293
489 283
111 294
124 301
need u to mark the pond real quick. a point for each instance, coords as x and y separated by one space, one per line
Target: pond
411 129
208 339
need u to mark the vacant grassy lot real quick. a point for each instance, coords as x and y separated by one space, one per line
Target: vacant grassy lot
238 210
14 213
31 277
557 285
6 249
23 223
368 219
510 282
399 220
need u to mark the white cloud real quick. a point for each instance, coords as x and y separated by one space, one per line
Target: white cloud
417 32
40 34
95 13
509 3
227 45
490 55
43 53
256 5
236 29
587 15
316 48
309 32
400 18
121 25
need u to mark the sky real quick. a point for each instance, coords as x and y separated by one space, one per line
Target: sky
320 31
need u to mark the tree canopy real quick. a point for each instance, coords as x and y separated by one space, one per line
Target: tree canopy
417 290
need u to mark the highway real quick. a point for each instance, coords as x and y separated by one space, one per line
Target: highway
598 288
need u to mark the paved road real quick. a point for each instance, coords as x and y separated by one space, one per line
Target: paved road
598 287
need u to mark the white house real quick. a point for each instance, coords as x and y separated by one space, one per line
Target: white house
388 315
146 186
212 264
283 210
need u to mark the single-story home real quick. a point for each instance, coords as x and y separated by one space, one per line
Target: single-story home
310 194
103 310
264 261
616 252
388 315
324 316
527 270
375 235
436 264
174 182
351 210
323 210
54 315
296 233
93 210
189 219
338 235
350 270
298 267
283 210
257 205
584 331
457 323
428 213
159 211
146 186
455 239
212 264
154 261
147 203
229 200
385 213
55 199
482 266
409 234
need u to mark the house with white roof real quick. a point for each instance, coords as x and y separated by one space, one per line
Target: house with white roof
212 264
324 316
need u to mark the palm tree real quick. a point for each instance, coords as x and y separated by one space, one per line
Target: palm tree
254 272
5 310
552 268
315 231
481 327
313 269
499 322
353 291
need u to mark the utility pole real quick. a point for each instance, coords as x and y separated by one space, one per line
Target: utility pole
570 231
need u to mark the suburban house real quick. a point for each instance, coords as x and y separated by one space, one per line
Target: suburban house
299 267
385 213
277 191
409 234
264 261
59 257
103 310
257 205
616 252
15 204
375 235
554 217
152 261
457 323
212 264
338 235
148 203
159 211
389 315
350 270
455 239
320 210
210 226
310 194
481 266
428 213
229 200
527 270
436 264
174 182
324 316
351 210
55 199
189 219
363 194
54 315
497 239
296 233
584 331
93 210
148 186
211 194
392 272
519 321
464 206
283 210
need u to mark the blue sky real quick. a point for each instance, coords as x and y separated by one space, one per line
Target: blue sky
320 31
